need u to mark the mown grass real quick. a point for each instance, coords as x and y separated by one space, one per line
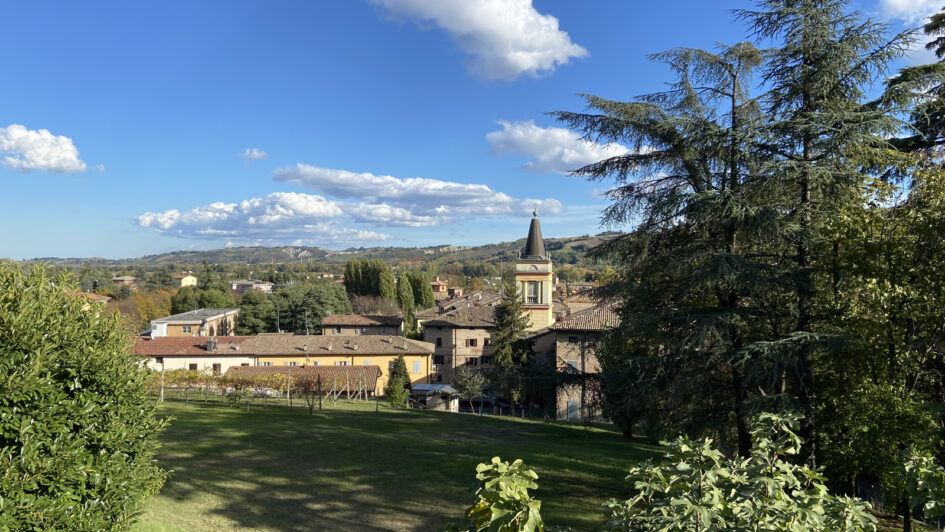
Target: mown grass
351 468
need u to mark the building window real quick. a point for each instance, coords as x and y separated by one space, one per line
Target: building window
437 359
318 363
341 363
291 363
159 360
185 329
439 341
367 362
531 292
216 368
416 366
574 365
471 342
439 378
486 342
244 364
337 330
265 363
385 330
192 367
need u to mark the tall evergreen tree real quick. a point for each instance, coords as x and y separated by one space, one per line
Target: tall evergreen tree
511 323
819 134
405 299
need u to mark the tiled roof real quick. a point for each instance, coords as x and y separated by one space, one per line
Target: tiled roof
585 296
361 321
98 298
592 319
182 276
197 316
345 345
473 316
190 345
431 312
123 278
370 373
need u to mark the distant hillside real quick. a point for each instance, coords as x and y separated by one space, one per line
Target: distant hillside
504 251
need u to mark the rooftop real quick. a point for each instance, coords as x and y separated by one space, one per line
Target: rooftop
593 319
190 345
197 316
347 345
473 316
361 320
535 244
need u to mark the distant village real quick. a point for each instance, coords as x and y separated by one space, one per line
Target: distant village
565 322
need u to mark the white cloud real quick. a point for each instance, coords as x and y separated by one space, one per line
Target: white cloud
553 149
504 38
910 11
253 154
276 218
417 196
30 150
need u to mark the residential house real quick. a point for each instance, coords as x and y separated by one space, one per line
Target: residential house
125 280
242 286
461 337
213 353
185 279
571 346
353 324
440 289
274 349
200 322
92 300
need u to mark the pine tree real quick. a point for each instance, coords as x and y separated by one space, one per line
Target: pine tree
422 291
386 287
511 323
819 134
398 385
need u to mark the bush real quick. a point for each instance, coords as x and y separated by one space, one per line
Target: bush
77 427
503 503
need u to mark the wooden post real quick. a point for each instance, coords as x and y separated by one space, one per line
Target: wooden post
319 377
162 382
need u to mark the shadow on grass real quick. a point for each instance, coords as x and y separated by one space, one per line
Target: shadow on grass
278 468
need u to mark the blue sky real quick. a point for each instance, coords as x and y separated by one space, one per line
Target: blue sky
129 129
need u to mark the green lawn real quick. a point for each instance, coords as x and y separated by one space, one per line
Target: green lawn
349 468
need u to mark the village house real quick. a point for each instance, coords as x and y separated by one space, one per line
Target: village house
185 279
461 337
199 322
352 324
275 349
571 346
440 289
125 280
211 353
242 286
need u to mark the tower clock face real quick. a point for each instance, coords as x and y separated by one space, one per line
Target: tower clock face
533 268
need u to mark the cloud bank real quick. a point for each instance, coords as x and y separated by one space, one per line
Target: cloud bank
29 150
254 154
553 149
503 38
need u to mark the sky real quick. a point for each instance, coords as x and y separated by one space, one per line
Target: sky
130 128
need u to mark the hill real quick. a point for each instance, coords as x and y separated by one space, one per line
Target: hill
501 252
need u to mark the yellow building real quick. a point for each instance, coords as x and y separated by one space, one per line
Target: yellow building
534 279
186 280
343 350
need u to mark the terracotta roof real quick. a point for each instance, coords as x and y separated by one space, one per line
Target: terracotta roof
190 345
361 320
342 344
476 317
592 319
182 275
371 373
98 298
431 312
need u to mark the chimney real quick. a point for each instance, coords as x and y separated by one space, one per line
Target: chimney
211 344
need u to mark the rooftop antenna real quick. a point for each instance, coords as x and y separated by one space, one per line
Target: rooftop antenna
535 213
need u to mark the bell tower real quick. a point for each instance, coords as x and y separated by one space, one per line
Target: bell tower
533 277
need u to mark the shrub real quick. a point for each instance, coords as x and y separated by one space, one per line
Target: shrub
77 426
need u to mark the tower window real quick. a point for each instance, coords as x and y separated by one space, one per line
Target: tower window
531 292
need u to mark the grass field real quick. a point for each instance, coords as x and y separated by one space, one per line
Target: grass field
349 468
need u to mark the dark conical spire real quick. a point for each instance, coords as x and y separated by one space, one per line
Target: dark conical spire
535 245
